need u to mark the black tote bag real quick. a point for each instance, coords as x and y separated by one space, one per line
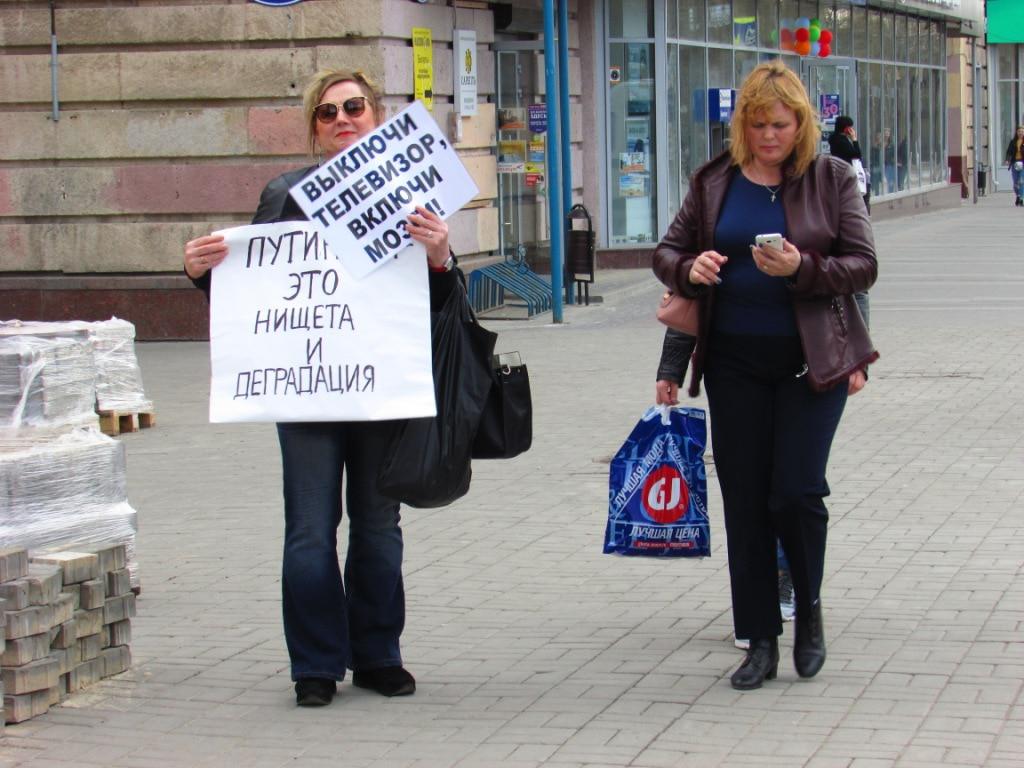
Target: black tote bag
506 424
428 462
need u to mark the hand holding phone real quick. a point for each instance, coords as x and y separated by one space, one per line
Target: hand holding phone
773 241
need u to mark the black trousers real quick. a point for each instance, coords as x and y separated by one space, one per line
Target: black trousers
771 436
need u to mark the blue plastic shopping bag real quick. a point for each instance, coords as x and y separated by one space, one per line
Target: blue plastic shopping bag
658 488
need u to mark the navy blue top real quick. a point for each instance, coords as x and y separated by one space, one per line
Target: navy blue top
749 302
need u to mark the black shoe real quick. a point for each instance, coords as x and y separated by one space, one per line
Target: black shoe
387 681
809 643
314 692
760 664
1018 202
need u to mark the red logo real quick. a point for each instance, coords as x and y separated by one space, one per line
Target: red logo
666 496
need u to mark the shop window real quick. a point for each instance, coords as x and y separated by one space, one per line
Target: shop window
875 137
874 35
938 44
744 23
926 126
843 36
1007 94
901 38
720 21
768 23
890 140
888 35
915 127
691 16
632 121
630 18
859 24
693 109
720 68
744 63
902 132
939 162
912 40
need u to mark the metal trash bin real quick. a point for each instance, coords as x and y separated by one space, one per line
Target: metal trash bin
579 248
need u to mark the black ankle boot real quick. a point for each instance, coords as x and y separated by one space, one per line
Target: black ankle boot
761 663
809 644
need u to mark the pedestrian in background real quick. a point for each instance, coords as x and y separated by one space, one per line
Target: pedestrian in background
779 345
844 145
333 624
1015 162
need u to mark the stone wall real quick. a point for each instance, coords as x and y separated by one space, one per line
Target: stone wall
171 119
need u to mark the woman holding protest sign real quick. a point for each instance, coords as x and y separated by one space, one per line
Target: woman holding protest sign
331 623
773 241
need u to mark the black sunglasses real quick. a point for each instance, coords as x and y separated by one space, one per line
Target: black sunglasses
328 112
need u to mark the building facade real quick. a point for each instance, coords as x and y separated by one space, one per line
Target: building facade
129 128
1006 80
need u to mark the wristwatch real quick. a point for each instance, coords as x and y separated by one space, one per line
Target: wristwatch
448 265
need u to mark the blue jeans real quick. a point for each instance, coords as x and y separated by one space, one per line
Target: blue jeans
1018 181
330 625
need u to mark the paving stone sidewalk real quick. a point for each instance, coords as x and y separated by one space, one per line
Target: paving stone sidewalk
534 649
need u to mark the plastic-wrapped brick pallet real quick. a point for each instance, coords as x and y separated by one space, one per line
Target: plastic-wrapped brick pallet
46 383
118 379
67 491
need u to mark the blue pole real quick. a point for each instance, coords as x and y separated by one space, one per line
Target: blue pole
564 128
554 169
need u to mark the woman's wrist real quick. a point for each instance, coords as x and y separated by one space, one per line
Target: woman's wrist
446 266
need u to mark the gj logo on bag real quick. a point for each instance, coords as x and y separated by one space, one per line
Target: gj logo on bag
666 495
657 487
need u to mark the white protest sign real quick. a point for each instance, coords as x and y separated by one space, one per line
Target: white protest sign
361 197
294 337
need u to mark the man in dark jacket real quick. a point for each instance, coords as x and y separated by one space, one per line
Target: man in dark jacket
844 145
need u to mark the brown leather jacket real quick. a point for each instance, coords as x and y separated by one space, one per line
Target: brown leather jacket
826 219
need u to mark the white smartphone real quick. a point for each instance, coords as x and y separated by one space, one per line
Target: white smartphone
773 240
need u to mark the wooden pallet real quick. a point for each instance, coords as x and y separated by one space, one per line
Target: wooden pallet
116 422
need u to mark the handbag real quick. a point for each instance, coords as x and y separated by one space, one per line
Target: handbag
427 463
862 176
506 424
679 312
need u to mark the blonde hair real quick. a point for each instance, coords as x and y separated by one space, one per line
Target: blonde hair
772 82
324 79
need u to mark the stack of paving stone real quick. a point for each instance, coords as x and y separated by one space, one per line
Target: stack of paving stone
119 385
47 383
113 373
67 624
66 492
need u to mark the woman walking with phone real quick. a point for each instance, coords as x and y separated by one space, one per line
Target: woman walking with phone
780 345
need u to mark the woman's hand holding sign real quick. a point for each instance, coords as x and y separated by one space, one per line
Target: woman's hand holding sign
429 229
203 254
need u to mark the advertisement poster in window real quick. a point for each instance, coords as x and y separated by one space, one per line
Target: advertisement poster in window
633 185
511 119
512 156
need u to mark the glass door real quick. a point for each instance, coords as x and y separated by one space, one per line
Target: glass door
522 152
832 86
